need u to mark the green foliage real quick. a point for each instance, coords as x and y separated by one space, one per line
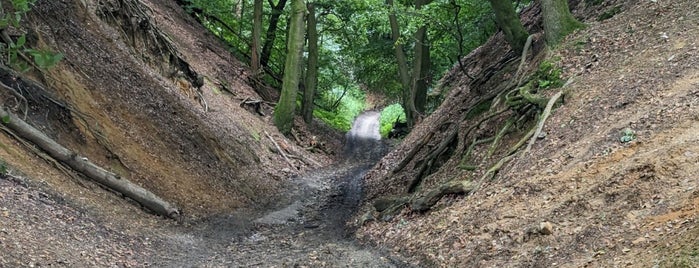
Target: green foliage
3 168
6 119
609 13
342 116
627 135
45 59
42 58
356 49
389 115
548 75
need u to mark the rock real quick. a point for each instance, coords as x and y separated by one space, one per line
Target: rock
638 241
546 228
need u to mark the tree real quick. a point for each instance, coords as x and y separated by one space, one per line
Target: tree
403 72
415 89
277 11
256 37
558 21
508 21
285 110
312 68
421 65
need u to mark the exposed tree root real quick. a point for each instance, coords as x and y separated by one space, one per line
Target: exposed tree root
389 207
463 164
544 116
431 198
515 96
498 137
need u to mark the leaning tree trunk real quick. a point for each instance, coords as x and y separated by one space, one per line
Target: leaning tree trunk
285 110
403 72
312 68
84 166
558 21
508 21
277 11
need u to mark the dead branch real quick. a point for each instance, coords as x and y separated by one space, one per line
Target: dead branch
279 150
89 169
19 96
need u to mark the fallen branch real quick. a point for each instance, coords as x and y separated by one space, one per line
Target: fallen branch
89 169
21 98
279 150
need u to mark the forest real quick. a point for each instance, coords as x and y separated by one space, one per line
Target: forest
358 133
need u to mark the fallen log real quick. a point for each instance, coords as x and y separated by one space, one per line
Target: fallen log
83 165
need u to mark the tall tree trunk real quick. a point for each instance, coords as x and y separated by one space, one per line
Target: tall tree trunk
558 21
285 110
508 21
421 66
271 31
403 71
256 37
312 68
241 13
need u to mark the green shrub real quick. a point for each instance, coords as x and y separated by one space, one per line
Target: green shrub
548 75
390 115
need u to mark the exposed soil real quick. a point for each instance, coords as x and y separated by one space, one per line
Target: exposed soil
601 202
127 97
581 197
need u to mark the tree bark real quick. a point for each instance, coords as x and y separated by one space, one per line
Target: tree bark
271 31
508 21
421 67
89 169
558 21
285 110
256 37
312 68
403 72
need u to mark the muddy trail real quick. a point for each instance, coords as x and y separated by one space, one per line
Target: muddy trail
304 229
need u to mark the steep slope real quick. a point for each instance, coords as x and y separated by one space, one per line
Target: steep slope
580 197
146 92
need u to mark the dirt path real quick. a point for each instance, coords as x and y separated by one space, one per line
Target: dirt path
304 228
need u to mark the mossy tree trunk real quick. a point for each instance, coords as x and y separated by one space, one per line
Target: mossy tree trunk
558 21
286 107
312 68
508 21
256 37
403 70
421 66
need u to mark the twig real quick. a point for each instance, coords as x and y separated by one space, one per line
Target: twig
279 149
18 95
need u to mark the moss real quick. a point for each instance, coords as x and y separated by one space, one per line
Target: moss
479 109
548 75
609 13
593 2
